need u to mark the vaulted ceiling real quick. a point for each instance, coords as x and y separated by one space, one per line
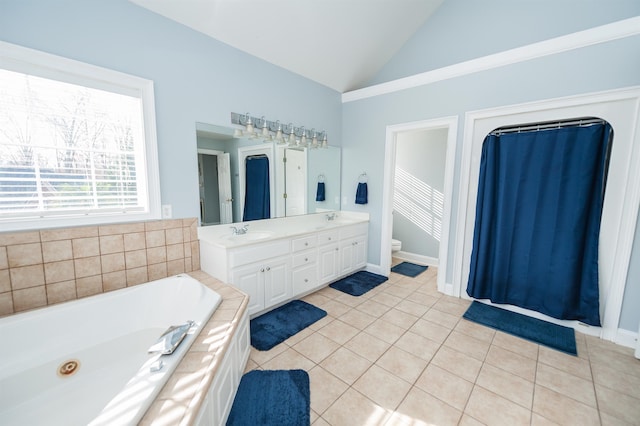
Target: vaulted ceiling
338 43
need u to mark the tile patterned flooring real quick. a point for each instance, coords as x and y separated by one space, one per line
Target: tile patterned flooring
401 354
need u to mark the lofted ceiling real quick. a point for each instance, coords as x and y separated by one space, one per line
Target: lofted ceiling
338 43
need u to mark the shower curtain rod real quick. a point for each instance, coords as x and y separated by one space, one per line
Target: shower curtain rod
548 125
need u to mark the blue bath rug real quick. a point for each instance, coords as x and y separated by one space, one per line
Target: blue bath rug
409 269
533 329
359 283
272 397
278 325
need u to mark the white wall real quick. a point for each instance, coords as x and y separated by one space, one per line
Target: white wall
421 157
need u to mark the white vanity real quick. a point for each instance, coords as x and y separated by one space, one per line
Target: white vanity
281 259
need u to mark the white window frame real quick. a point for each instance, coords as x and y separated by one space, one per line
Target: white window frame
29 61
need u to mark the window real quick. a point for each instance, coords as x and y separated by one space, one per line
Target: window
77 143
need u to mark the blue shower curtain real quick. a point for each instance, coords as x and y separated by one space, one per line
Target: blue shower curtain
257 195
540 197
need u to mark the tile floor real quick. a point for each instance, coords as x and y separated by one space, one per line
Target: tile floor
401 354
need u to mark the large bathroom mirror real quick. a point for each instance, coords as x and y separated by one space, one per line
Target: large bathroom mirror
299 180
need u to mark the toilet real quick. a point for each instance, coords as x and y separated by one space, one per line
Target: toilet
395 245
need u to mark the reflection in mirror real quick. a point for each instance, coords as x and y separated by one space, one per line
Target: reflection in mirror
307 182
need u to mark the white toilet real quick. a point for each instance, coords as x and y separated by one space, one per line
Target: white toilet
395 245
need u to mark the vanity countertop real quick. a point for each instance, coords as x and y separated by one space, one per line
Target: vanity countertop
273 229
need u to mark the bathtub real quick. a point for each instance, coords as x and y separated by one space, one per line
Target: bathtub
87 361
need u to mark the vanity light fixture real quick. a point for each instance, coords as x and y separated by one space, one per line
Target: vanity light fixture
279 138
303 139
292 136
266 134
249 129
266 130
325 143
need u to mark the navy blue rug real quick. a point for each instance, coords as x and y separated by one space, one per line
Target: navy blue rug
359 283
272 397
409 269
278 325
533 329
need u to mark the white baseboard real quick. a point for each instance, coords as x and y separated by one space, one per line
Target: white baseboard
626 338
374 269
417 258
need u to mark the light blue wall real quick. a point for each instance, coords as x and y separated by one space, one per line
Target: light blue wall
607 66
466 29
196 78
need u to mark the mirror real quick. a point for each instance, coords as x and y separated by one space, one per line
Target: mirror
297 176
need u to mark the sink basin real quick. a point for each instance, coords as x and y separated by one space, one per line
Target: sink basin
250 236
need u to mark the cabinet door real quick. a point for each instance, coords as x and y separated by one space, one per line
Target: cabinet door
359 252
250 280
329 263
277 285
346 257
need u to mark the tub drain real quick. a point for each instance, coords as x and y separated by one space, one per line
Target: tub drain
68 368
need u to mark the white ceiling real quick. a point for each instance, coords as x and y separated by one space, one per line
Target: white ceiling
338 43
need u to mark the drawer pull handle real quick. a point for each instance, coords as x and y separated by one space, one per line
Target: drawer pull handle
306 259
306 244
329 238
306 280
268 268
261 269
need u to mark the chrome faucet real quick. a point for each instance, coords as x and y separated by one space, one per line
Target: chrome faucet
240 231
331 216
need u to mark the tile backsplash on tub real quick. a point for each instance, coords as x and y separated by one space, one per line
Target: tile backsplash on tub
39 268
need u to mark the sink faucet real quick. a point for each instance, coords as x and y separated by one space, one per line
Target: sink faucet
240 231
331 216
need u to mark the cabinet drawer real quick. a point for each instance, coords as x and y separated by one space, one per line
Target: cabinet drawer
304 258
303 243
304 279
257 252
353 230
328 237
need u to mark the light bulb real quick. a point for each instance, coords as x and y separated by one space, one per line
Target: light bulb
279 137
249 125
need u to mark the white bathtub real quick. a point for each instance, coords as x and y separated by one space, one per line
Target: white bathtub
108 336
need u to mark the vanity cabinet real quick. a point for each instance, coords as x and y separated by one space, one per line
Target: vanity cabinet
353 249
304 275
275 270
267 283
328 256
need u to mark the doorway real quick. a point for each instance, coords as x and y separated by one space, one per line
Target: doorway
394 177
214 176
620 210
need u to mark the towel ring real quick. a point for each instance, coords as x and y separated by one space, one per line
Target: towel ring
362 178
321 178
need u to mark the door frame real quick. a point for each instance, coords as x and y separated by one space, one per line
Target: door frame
451 124
217 153
618 107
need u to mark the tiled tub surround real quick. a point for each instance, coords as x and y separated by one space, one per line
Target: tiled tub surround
204 383
40 268
115 380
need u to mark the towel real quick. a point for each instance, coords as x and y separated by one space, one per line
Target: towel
320 192
362 193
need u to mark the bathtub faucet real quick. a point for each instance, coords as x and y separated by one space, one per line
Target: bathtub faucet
331 216
240 231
